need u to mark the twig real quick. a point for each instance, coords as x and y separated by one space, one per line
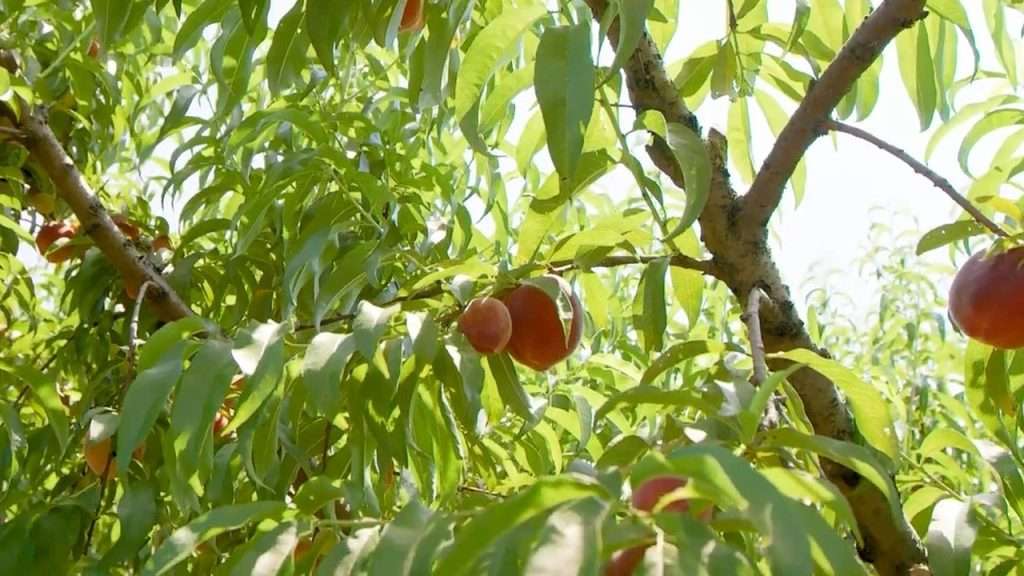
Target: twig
99 505
475 490
327 444
133 324
803 128
12 133
45 149
939 182
677 260
752 318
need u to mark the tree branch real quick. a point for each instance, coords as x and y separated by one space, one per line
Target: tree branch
752 318
134 267
859 52
742 259
939 182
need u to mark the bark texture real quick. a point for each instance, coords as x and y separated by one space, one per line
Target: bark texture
734 229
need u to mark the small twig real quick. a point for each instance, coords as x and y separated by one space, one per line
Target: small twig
752 318
939 182
677 260
133 325
12 133
475 490
99 505
327 444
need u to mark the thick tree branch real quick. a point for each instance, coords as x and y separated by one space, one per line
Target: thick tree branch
742 260
859 52
939 182
135 268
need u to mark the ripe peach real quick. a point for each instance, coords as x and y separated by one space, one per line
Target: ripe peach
126 225
220 422
50 234
625 561
412 16
161 242
649 493
987 298
487 325
97 454
538 333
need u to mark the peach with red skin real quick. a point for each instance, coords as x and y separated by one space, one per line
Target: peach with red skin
646 498
986 299
487 325
412 16
161 242
126 225
50 233
538 334
94 48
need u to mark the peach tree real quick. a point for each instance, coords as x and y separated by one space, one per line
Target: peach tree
240 240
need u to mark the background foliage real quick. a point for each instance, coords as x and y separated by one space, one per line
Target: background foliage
342 189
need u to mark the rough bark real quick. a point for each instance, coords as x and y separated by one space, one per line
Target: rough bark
134 267
734 230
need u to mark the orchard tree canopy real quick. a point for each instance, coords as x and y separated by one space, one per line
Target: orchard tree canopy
240 241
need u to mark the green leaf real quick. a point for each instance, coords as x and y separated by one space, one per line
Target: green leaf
323 365
800 18
653 395
137 515
286 57
200 394
111 17
649 308
751 416
183 541
788 525
44 391
480 533
951 536
491 47
324 21
995 18
369 325
269 552
948 234
570 541
632 21
509 387
564 84
259 352
740 139
953 11
317 492
689 151
166 338
191 31
398 542
679 352
870 410
145 400
854 457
